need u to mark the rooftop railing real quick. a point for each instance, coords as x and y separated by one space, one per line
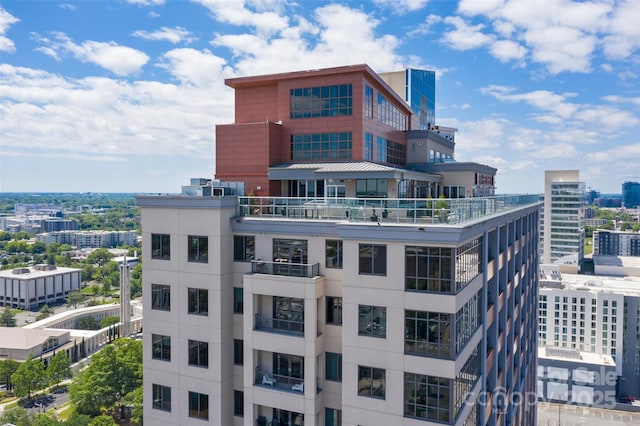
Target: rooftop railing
388 210
292 269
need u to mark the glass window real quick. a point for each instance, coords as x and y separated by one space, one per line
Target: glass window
199 405
160 297
322 146
238 351
333 366
334 310
161 397
288 314
371 382
371 188
161 347
333 253
198 353
427 397
198 301
244 248
238 403
428 269
427 333
468 258
321 101
332 417
198 249
238 302
288 368
160 246
373 259
372 321
468 319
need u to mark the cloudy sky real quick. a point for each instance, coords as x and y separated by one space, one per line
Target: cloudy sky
124 95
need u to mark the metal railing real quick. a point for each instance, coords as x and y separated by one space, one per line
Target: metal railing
291 269
393 210
281 326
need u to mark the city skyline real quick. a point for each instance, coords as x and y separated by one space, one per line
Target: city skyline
124 96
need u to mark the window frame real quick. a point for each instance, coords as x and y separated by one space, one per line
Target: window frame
241 244
238 403
238 300
334 360
367 372
376 263
161 297
198 355
368 314
161 246
334 311
197 249
334 261
161 397
238 352
198 301
198 412
161 345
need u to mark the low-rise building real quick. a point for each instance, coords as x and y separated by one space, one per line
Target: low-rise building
30 288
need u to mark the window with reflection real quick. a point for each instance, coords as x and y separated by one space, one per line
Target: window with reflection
288 314
373 259
427 397
427 333
372 321
321 101
371 382
428 269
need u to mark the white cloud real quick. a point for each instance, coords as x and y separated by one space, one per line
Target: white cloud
561 48
624 32
465 36
400 7
121 60
6 21
262 15
193 67
506 50
146 2
622 99
172 35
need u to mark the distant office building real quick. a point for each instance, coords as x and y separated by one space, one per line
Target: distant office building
30 288
418 89
616 243
599 315
594 222
608 202
57 224
590 196
561 224
86 239
631 194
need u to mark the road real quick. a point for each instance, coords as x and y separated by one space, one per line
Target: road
572 415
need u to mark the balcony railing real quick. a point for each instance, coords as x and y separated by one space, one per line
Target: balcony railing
391 210
291 269
279 382
281 326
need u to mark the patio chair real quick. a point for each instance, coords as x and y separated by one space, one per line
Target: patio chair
268 380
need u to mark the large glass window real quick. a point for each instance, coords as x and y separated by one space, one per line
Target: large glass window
322 146
238 300
391 152
238 403
427 333
198 353
390 115
160 246
199 405
161 347
334 310
467 262
161 397
368 101
371 382
238 351
160 297
333 366
372 321
288 314
289 256
468 319
198 301
198 249
428 269
323 101
465 380
368 147
371 188
333 253
244 248
427 397
284 417
288 368
373 259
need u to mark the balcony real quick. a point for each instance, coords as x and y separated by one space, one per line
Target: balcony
392 210
279 382
289 269
279 326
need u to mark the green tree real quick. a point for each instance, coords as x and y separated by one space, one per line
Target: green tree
99 257
16 416
29 377
112 373
7 368
74 297
38 247
135 281
45 312
7 318
110 320
103 420
134 400
59 368
88 323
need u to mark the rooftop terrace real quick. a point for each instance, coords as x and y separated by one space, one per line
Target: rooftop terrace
388 210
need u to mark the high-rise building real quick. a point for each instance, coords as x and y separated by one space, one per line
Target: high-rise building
336 292
418 88
631 194
561 223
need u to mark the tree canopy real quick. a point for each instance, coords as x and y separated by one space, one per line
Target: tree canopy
29 377
59 368
7 318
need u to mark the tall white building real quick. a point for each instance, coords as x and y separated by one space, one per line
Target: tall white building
561 222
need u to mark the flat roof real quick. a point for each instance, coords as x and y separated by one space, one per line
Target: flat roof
21 338
582 357
346 170
629 286
34 273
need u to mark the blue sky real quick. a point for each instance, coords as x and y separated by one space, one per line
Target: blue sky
124 96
